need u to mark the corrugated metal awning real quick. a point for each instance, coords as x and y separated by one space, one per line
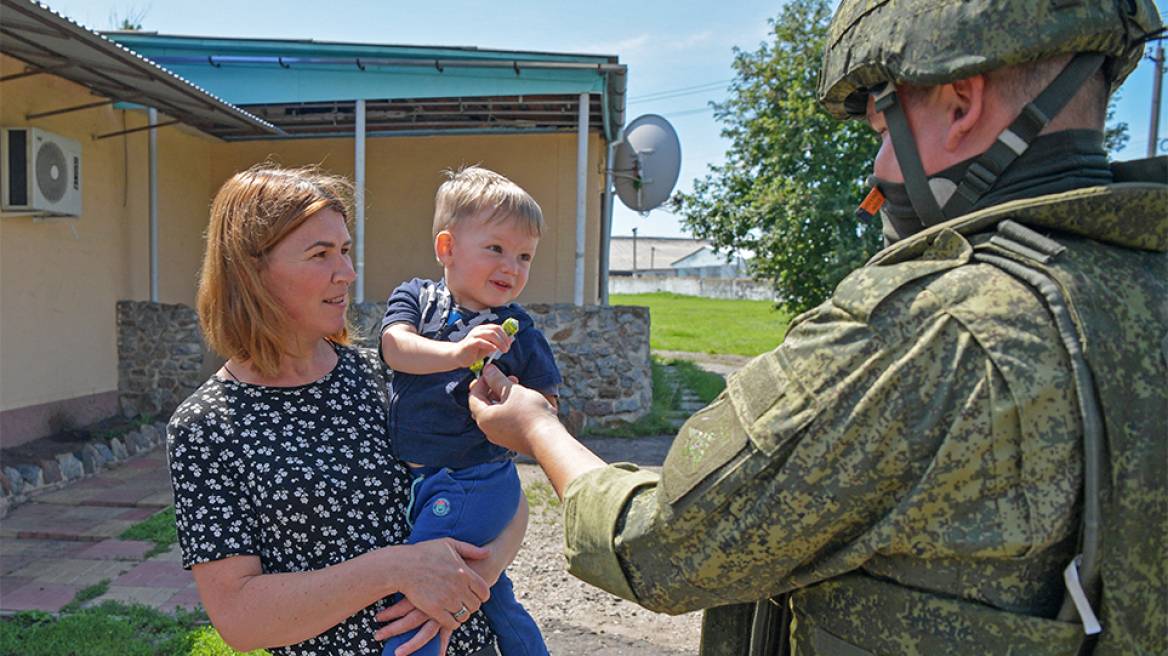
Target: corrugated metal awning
309 88
50 43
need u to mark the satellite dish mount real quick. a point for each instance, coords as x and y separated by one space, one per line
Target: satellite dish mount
646 163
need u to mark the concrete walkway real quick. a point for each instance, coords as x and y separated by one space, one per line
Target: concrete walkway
58 543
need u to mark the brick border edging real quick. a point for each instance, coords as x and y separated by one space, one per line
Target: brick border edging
20 483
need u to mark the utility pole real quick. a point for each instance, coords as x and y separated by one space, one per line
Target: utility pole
634 252
1157 88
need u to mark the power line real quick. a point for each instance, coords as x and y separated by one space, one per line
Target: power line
687 112
685 91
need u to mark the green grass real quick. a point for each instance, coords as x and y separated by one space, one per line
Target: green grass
110 629
92 592
542 498
158 528
707 325
707 386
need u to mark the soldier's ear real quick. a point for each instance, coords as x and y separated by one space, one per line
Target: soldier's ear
965 102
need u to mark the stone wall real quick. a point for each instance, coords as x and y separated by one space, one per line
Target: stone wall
602 352
160 354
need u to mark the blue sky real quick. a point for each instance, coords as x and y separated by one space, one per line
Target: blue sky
679 52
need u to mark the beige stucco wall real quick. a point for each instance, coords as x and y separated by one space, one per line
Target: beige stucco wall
58 347
60 280
402 175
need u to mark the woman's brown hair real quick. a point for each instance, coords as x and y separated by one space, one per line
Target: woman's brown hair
252 212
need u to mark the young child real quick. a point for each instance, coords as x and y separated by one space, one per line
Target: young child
486 230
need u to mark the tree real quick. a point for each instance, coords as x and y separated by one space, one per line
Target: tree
132 21
794 175
1115 136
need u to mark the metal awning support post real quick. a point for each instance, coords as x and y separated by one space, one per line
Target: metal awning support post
606 222
359 219
581 197
152 117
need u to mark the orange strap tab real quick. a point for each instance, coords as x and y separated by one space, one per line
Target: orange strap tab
871 205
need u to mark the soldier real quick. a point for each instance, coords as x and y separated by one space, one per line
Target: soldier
964 450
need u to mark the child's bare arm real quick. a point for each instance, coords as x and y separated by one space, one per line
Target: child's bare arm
403 349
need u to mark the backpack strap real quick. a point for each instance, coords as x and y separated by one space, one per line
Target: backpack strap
1082 574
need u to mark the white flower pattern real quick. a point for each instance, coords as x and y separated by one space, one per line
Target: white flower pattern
289 475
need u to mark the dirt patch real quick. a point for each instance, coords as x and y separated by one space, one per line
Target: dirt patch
577 619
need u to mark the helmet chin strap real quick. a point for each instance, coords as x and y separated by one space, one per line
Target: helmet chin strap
938 200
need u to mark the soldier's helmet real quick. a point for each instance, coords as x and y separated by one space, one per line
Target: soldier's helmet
933 42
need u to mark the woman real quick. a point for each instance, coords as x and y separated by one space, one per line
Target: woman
291 512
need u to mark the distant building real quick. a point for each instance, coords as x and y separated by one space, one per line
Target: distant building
662 257
705 263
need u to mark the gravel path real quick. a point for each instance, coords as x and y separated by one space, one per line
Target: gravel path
576 618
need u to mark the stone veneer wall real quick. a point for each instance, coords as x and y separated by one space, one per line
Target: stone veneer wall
160 354
602 352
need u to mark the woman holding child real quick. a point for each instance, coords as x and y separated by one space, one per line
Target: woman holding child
291 508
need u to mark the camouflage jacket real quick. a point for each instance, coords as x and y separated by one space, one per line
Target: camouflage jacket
909 460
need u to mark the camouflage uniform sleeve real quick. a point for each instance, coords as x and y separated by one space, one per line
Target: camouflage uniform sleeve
881 427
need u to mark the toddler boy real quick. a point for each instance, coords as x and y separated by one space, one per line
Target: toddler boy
486 230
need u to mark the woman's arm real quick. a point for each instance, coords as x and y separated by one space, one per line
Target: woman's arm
252 610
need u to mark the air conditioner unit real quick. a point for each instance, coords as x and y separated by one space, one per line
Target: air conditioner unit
41 173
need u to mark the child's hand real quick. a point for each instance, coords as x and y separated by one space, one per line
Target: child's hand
481 342
511 327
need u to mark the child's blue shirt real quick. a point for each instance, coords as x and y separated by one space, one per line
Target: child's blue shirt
429 414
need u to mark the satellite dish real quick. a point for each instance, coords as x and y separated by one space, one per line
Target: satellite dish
646 163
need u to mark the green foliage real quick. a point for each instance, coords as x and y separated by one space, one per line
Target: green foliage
110 629
794 176
206 642
92 592
709 325
1115 135
159 528
113 629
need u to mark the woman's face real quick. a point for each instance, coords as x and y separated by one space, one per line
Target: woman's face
308 273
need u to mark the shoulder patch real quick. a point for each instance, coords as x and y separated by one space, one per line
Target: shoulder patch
710 439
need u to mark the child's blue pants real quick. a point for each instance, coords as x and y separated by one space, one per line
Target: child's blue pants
474 504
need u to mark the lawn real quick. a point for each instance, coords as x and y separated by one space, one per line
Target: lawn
708 325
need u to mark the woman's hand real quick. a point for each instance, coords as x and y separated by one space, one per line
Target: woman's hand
404 617
435 577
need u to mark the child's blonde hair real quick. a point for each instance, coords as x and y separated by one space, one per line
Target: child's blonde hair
473 190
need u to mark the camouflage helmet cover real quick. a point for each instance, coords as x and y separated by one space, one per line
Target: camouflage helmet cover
932 42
